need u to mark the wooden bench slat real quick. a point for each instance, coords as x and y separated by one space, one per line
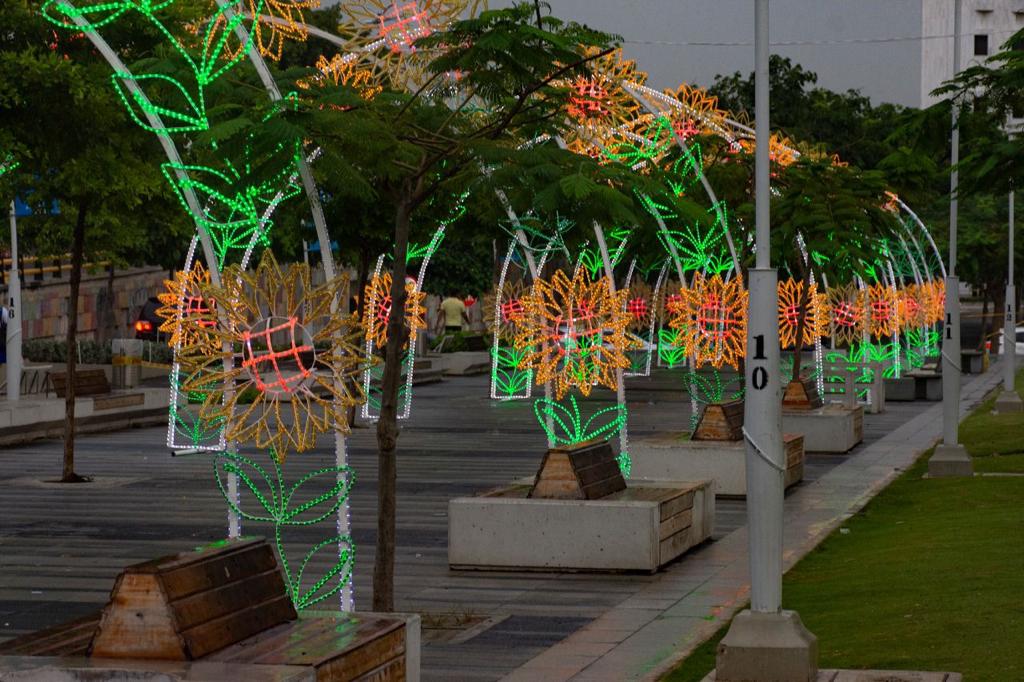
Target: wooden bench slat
675 524
214 635
223 600
87 382
71 638
193 577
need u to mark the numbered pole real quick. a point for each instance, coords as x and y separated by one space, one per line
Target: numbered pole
765 459
1010 324
1009 401
950 458
14 317
951 365
1010 340
764 642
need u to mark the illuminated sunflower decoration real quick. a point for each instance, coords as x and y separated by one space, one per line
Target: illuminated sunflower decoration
883 310
639 306
712 315
378 309
892 202
846 309
913 307
670 301
698 113
293 357
934 294
343 71
183 299
598 99
590 144
781 150
281 20
390 28
507 313
814 314
574 332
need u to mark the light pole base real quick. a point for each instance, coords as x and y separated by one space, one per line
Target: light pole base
950 461
1009 402
767 647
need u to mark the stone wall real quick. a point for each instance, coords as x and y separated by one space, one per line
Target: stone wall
108 303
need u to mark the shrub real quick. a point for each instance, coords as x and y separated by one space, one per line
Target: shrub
52 350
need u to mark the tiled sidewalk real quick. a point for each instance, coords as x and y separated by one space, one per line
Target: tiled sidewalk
654 629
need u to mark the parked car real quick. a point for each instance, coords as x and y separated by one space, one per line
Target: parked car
147 326
1019 332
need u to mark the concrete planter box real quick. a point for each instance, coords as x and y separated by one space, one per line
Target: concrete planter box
638 529
671 457
927 385
833 428
973 361
900 389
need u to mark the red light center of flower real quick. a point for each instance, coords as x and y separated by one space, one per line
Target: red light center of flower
637 307
195 306
792 315
512 311
686 129
846 315
588 99
403 24
271 352
714 320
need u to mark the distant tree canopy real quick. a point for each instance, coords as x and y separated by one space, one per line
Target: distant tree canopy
910 147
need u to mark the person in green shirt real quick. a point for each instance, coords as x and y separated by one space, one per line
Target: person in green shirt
453 314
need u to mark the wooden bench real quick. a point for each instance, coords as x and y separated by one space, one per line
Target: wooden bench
87 382
226 603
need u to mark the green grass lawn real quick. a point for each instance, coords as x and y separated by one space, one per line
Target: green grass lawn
995 441
929 576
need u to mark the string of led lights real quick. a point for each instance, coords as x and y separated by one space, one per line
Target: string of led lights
619 119
240 209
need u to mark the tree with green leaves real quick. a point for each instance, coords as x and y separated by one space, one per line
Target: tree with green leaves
991 165
76 147
996 88
487 136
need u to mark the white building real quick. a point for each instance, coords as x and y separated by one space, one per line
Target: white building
891 50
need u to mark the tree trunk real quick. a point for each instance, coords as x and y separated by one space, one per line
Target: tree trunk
983 336
387 423
77 250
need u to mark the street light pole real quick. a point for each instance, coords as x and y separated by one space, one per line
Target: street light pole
950 458
764 642
14 317
1008 400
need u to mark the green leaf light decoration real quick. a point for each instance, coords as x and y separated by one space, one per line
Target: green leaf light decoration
571 428
235 207
280 507
509 380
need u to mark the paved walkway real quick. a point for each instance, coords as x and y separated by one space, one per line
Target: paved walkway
647 634
61 546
